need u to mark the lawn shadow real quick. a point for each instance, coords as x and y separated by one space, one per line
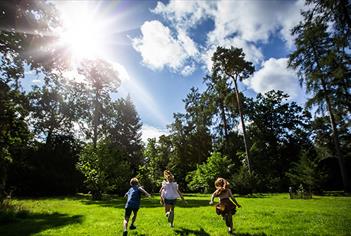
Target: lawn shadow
154 202
255 195
248 234
185 232
32 223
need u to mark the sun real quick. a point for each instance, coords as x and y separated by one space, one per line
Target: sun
84 32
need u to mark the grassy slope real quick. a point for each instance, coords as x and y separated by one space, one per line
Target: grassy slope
264 215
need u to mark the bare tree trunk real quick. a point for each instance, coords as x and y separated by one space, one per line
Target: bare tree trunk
224 120
243 127
343 171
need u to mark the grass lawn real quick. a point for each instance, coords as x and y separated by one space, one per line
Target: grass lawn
274 214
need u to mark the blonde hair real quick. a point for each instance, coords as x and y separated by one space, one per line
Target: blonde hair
221 185
168 176
134 181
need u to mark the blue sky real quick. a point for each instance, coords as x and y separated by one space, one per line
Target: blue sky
163 48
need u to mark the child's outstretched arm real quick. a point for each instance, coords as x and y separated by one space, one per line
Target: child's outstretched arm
212 197
144 191
236 203
181 196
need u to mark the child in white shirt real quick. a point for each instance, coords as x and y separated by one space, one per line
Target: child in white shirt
169 194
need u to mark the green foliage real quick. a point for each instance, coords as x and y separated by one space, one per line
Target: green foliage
104 169
306 172
246 183
123 129
279 129
322 58
203 178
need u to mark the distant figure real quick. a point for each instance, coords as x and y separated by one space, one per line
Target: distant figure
290 192
133 204
225 207
169 193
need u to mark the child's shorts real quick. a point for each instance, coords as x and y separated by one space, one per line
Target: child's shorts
170 201
129 210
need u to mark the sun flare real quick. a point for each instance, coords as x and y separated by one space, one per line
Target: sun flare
84 32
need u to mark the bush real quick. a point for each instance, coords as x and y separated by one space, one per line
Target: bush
203 178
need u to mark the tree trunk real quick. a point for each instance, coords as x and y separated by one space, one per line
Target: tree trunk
243 127
96 119
224 120
343 171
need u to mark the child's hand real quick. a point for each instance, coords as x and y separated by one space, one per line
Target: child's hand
239 205
211 202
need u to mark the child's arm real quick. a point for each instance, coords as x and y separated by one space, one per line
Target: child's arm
233 198
144 191
212 197
181 196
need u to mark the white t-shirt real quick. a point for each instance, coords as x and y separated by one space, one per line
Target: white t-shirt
170 190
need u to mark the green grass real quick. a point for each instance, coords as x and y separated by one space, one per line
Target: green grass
262 215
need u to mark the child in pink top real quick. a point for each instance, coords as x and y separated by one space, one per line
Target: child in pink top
225 207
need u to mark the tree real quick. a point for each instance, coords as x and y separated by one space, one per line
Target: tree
279 130
103 168
14 132
52 108
322 58
231 63
203 178
94 96
306 172
124 131
216 95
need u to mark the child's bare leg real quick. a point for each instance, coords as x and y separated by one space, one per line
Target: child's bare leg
167 208
125 224
171 216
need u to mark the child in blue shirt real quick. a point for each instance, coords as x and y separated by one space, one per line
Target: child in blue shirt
133 203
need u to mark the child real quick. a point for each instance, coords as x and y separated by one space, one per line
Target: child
169 194
133 203
225 207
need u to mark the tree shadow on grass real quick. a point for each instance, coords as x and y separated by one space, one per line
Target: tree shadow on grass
32 223
248 234
118 202
186 232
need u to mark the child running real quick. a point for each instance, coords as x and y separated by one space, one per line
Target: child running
169 194
225 207
133 204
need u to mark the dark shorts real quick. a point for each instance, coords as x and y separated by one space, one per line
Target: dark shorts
129 210
170 201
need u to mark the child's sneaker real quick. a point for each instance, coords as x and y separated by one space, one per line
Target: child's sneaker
132 227
125 233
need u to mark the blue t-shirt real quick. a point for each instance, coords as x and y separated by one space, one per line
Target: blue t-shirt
134 195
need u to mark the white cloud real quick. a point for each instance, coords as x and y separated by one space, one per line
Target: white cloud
185 14
37 81
152 132
243 24
188 70
159 48
274 74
